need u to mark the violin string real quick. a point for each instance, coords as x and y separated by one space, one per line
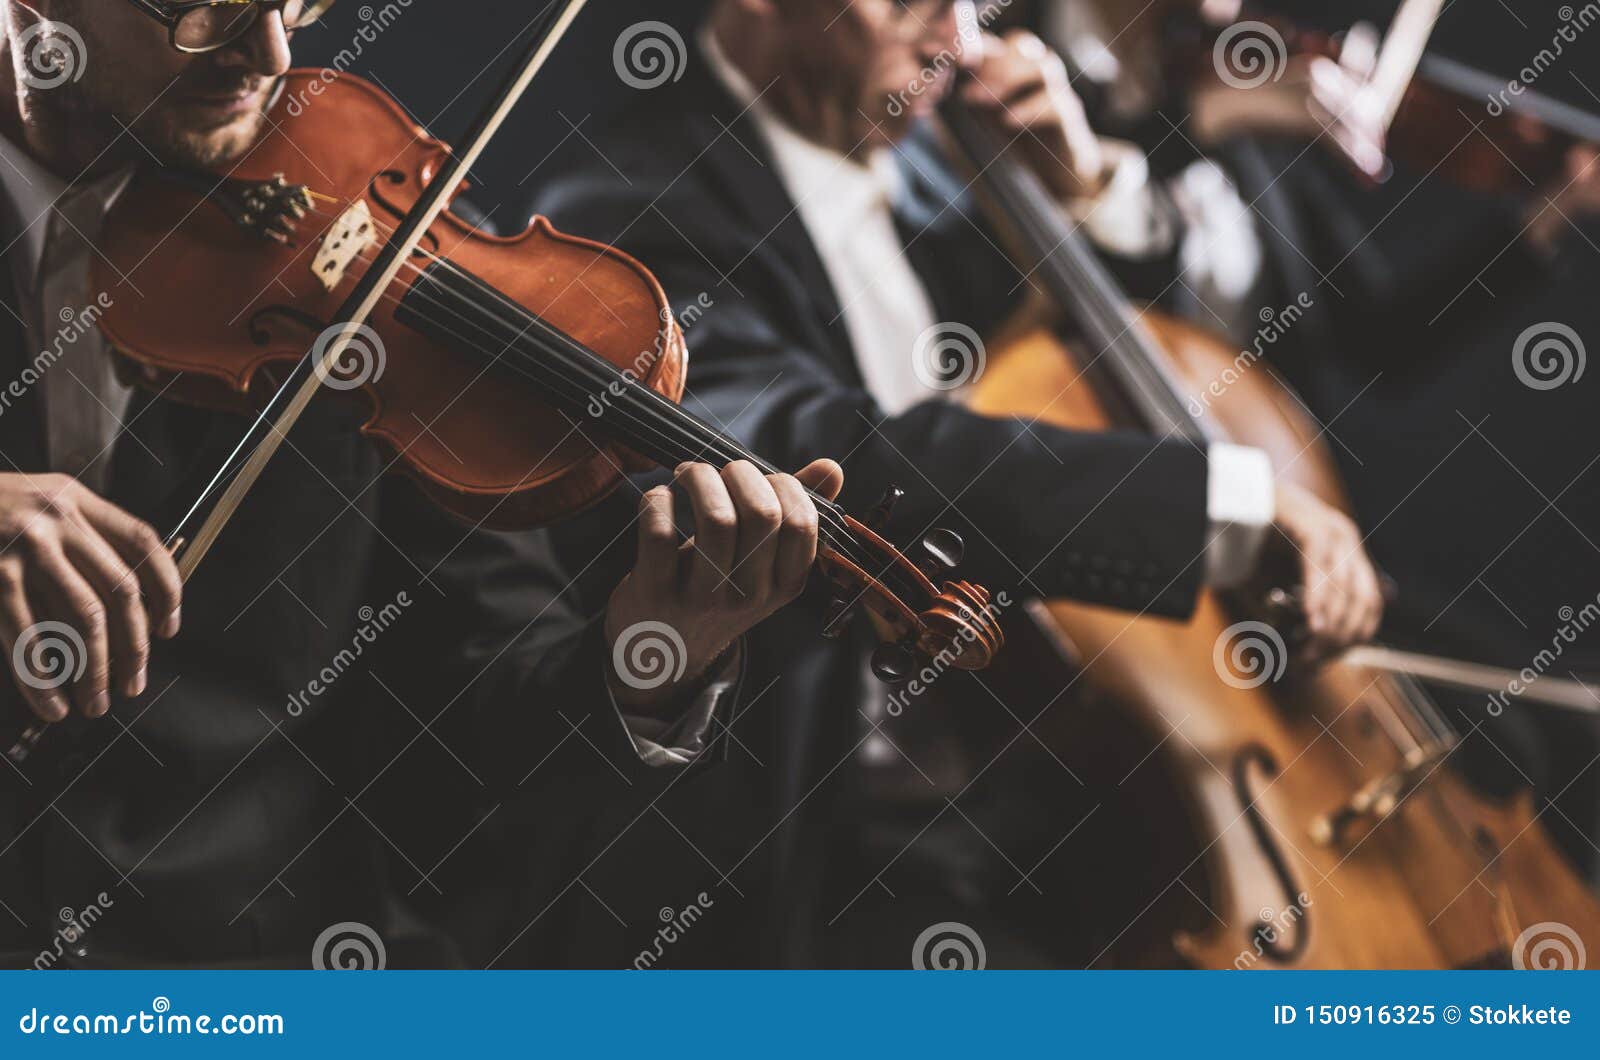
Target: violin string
680 425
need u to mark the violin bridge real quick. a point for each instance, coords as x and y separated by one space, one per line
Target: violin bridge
350 234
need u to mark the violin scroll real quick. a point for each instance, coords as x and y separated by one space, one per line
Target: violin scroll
953 624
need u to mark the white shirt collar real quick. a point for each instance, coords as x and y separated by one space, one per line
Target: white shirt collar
832 191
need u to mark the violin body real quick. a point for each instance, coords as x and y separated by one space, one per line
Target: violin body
517 380
1440 132
232 307
1234 801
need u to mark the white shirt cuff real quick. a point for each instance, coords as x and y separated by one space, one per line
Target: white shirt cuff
1126 218
1240 505
683 740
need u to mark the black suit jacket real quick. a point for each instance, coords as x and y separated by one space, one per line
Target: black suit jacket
688 186
372 714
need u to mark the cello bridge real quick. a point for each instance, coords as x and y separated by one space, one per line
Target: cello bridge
1376 800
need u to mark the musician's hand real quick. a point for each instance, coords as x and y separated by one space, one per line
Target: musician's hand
1024 86
1316 98
1343 597
70 557
1570 197
754 544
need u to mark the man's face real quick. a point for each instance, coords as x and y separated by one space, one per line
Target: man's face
880 64
196 110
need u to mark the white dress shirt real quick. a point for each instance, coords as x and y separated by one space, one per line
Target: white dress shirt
846 205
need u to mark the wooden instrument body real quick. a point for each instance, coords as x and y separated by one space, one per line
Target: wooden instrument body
205 308
1430 886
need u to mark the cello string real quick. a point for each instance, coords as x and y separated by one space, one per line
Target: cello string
1078 279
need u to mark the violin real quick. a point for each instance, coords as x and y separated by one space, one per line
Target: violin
515 379
1431 110
1311 818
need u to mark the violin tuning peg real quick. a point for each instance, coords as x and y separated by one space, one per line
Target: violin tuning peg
878 518
893 663
941 553
840 611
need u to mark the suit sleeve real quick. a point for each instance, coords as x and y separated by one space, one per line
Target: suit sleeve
1108 518
517 655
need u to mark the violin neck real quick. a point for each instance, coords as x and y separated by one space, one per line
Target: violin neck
1054 254
460 311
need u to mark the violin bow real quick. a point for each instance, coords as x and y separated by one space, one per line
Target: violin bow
1400 55
204 522
1571 694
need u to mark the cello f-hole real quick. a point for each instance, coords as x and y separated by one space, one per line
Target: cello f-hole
1273 947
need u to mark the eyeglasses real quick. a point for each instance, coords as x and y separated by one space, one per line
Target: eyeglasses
206 25
915 18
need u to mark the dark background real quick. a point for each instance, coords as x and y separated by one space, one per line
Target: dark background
443 59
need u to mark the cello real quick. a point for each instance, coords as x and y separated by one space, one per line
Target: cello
1275 817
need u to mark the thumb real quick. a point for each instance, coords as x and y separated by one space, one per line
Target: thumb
824 477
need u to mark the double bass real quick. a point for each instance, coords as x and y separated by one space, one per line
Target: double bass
1265 816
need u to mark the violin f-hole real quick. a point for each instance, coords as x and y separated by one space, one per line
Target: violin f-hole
1259 757
375 189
